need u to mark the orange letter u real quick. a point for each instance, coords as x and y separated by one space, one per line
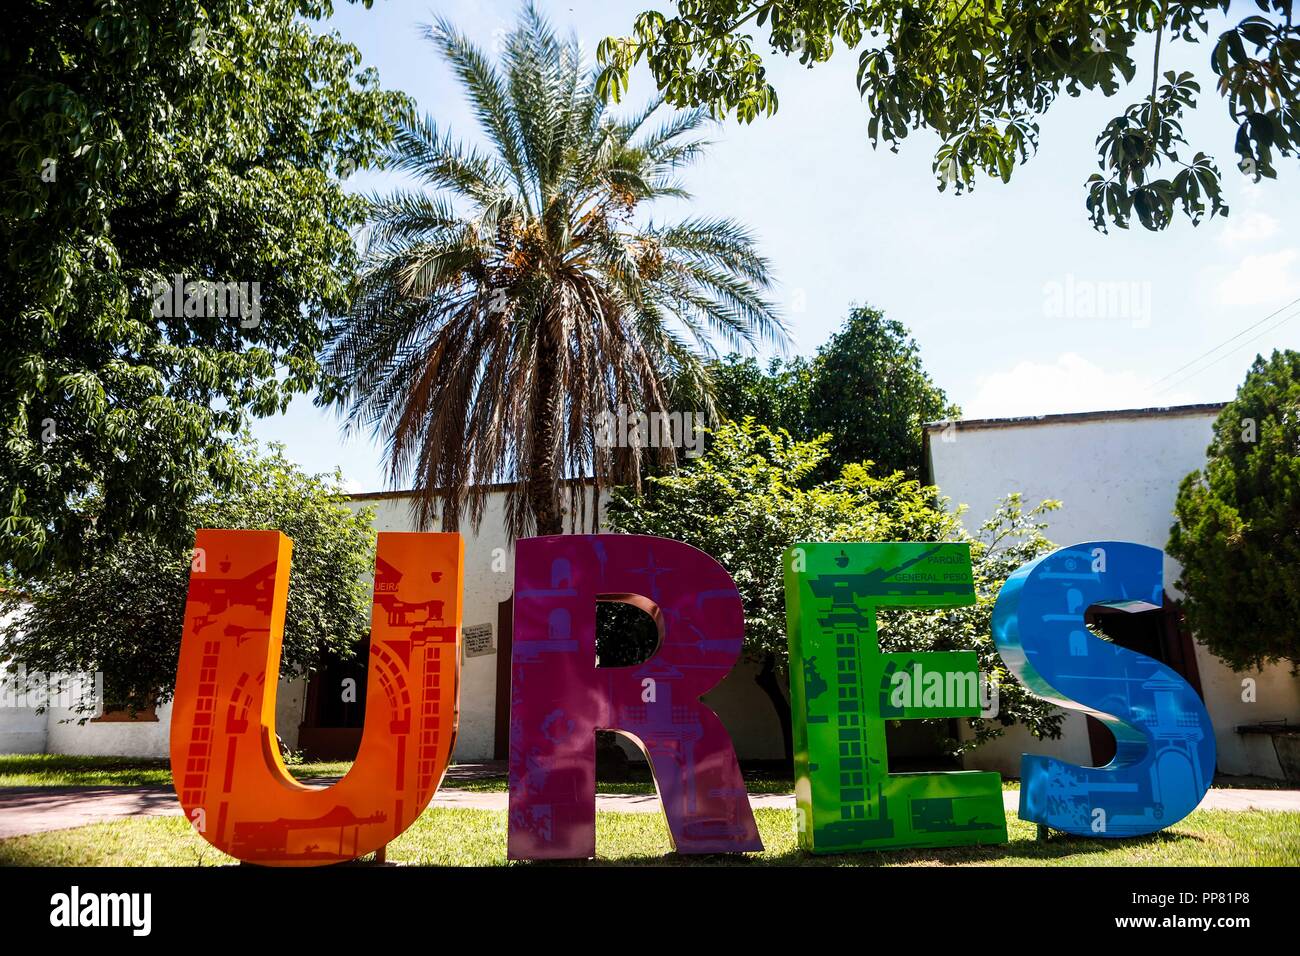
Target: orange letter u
226 762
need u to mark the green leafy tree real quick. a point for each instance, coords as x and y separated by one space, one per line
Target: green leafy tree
142 141
980 75
871 393
778 395
866 388
502 314
1237 534
122 614
747 499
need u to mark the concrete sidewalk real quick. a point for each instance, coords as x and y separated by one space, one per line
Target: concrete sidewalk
1218 799
37 809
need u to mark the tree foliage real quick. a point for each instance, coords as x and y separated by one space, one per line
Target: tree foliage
866 388
521 297
142 141
873 396
1237 533
122 614
747 499
778 395
981 75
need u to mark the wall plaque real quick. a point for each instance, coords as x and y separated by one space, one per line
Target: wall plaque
477 640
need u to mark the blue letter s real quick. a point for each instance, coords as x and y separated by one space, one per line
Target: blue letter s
1165 743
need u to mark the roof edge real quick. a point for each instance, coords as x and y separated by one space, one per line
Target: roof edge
1119 414
410 492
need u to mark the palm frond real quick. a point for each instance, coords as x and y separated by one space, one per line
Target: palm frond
488 97
506 305
439 161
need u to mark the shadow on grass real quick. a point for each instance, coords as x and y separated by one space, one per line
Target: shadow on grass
1057 848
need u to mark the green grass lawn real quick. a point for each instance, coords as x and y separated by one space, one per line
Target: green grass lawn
64 770
444 837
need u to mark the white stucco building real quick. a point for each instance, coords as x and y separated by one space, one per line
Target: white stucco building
485 674
1116 474
306 720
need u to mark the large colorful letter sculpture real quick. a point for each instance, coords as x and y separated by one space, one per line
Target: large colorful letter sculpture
225 759
559 698
1164 757
843 689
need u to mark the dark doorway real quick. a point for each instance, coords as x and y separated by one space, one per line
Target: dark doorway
332 721
1160 633
505 642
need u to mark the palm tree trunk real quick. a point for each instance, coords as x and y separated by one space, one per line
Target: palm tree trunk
543 482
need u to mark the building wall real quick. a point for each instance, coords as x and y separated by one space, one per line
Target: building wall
57 730
489 579
1117 477
137 738
22 729
25 731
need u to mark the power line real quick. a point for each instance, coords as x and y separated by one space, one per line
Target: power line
1223 343
1271 329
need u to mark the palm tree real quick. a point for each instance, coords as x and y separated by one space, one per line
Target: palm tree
501 311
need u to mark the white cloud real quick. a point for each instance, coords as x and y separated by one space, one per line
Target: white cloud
352 486
1069 384
1252 227
1260 280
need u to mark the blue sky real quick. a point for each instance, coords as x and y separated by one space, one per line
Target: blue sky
1019 306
